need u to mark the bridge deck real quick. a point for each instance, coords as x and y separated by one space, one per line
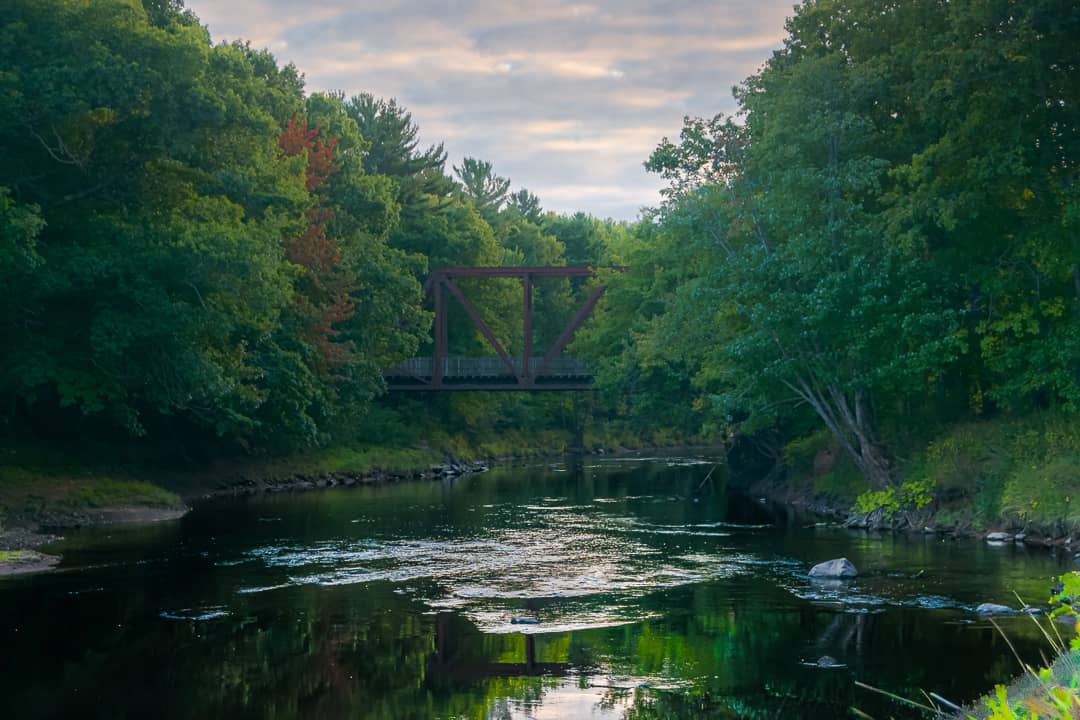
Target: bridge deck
489 373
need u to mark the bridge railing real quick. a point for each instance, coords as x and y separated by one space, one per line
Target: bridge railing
462 368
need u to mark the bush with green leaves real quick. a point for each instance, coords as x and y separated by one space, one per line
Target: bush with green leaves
909 496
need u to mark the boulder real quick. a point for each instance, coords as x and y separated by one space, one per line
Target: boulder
832 569
994 609
999 537
827 661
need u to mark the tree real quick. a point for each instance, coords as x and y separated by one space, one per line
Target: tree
175 261
812 302
525 204
487 190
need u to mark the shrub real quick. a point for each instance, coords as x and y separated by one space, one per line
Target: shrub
911 495
1044 492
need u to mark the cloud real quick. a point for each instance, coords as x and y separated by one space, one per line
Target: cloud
565 98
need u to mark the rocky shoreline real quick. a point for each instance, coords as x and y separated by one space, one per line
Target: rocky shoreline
241 485
923 522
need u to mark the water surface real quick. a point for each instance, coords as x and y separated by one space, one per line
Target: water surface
608 588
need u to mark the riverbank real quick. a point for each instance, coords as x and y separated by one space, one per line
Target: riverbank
43 495
843 510
1014 478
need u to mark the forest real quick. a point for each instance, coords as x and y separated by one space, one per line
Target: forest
865 282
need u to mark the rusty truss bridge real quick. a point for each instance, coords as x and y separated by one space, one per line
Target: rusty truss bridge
530 372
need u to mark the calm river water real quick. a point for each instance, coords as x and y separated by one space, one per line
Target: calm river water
606 588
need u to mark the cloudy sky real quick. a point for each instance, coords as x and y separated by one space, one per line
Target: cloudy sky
567 99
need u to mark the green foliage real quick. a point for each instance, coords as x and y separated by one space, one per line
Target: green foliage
1041 485
1055 695
486 189
800 453
1064 599
844 482
861 252
911 495
36 491
1045 494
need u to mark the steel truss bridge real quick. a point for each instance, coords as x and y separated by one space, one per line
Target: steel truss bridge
530 372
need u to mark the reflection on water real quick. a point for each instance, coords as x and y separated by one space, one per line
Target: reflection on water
611 589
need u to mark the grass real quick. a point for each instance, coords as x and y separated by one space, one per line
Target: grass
844 482
1050 694
1022 471
18 556
34 492
360 459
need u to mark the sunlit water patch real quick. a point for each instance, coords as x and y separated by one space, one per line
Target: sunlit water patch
591 572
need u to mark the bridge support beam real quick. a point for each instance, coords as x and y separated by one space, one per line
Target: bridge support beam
526 284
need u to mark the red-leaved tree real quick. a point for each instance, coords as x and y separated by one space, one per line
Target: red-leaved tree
323 297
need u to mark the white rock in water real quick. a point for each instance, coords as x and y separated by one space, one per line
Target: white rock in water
839 568
999 537
994 609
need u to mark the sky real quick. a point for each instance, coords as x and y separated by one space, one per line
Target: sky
567 99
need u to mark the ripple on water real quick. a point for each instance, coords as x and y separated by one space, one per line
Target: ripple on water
591 572
861 596
211 612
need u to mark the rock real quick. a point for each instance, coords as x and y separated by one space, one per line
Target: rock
1020 537
994 609
999 537
839 568
826 662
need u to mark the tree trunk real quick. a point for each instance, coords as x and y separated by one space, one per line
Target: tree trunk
850 424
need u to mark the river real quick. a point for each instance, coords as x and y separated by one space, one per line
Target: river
600 588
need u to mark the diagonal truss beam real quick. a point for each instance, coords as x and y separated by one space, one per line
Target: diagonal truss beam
571 329
482 327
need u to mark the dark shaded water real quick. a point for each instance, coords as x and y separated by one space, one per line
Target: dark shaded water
606 589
